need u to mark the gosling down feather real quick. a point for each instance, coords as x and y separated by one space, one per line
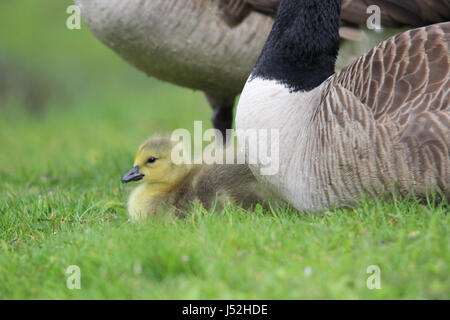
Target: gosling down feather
166 186
212 45
380 125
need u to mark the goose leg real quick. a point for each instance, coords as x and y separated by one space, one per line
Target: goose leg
222 118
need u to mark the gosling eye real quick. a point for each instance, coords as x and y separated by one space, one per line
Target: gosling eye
151 160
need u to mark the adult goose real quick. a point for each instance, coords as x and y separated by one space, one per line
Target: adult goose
212 45
381 124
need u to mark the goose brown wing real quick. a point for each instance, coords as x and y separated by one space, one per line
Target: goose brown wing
396 98
397 13
394 13
234 11
269 7
405 75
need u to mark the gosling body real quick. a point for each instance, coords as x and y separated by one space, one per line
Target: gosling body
169 187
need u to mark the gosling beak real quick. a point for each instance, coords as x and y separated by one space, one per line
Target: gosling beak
133 175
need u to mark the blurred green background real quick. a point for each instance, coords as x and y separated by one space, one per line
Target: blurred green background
49 73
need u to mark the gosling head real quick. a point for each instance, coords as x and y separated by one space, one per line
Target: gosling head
153 164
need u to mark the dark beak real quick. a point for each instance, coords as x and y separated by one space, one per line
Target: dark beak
133 175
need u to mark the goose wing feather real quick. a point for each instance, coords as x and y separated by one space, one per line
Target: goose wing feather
234 11
394 13
405 75
265 6
397 13
398 96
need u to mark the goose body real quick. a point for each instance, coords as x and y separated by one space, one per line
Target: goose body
169 187
212 45
381 124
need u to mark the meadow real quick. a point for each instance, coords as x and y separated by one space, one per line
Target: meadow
72 114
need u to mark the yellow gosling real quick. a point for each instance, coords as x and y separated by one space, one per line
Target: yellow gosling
166 186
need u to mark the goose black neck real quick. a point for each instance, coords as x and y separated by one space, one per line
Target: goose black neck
302 47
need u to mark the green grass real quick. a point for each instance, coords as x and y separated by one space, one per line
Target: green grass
62 204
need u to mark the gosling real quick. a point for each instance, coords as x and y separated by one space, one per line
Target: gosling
166 186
